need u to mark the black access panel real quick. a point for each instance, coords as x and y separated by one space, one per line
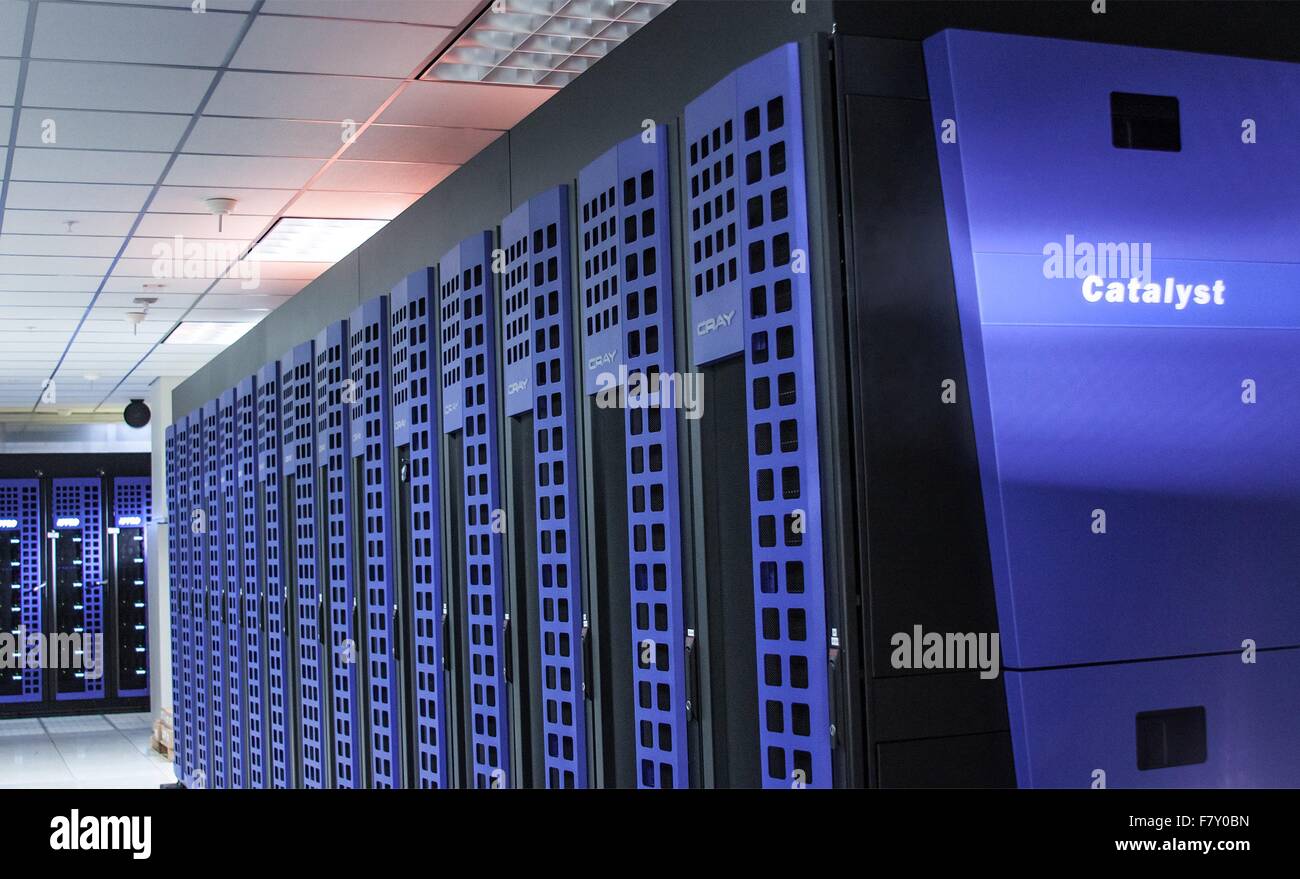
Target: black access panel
924 556
131 504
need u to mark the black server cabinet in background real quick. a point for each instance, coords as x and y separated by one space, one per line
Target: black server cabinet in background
131 504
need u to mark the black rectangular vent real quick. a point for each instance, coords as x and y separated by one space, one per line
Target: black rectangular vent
1144 122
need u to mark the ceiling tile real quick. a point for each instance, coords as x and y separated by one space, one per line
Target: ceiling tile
244 300
159 225
91 129
244 171
54 265
383 176
59 245
98 86
20 313
449 13
353 205
46 299
27 222
154 248
8 81
265 137
189 199
36 286
76 196
464 104
410 143
13 26
289 271
356 48
6 122
146 267
117 33
265 287
298 96
86 166
166 301
225 5
134 285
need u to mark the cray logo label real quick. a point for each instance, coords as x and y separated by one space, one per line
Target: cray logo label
715 323
77 832
515 387
601 360
450 408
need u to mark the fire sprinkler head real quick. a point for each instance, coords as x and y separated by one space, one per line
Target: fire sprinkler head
220 206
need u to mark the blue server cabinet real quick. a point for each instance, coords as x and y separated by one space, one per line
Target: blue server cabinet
301 567
21 605
272 548
211 577
1125 283
540 399
470 411
336 526
229 533
174 447
198 691
417 532
77 560
749 293
249 611
374 571
131 512
631 371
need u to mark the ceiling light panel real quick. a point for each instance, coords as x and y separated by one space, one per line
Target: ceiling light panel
541 42
193 332
304 239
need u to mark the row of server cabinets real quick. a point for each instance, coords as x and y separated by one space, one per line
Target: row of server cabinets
459 538
73 593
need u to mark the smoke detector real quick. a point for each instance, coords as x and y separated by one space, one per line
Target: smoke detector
137 317
220 206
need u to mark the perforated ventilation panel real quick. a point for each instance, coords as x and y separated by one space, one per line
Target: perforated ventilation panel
174 437
342 642
250 599
602 298
228 534
416 403
197 690
297 413
754 115
450 366
271 567
516 284
79 585
489 720
214 595
371 456
132 503
635 176
20 584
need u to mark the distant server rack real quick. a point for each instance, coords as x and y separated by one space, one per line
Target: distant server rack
77 560
249 609
213 576
131 506
197 691
230 672
341 637
417 532
381 593
22 607
177 525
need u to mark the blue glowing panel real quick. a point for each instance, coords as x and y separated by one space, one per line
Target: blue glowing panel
213 573
449 341
132 502
415 422
228 534
598 228
334 392
712 233
559 573
371 461
21 544
750 150
272 544
251 590
516 321
175 449
297 426
634 231
197 690
489 719
79 585
1141 494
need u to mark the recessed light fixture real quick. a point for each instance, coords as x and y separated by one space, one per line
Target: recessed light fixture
540 42
201 332
305 239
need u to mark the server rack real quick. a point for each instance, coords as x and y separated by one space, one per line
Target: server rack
132 507
213 582
277 610
417 534
230 672
197 690
749 294
249 610
383 600
178 599
21 587
76 558
495 684
312 762
343 640
635 393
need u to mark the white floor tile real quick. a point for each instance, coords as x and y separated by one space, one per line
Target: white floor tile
21 726
92 756
131 721
87 723
32 760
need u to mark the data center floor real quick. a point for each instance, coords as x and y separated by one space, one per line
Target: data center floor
85 751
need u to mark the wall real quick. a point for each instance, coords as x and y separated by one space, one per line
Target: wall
666 64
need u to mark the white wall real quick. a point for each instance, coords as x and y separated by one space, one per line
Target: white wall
160 648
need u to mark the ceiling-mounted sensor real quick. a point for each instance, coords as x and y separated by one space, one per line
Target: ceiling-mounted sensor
137 317
220 206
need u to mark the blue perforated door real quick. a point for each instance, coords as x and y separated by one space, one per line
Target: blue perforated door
277 609
132 503
21 605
